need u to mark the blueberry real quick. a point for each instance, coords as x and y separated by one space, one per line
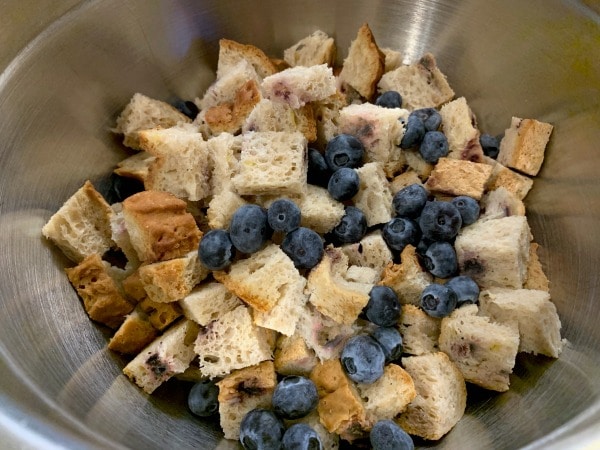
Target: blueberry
434 146
383 307
468 208
410 200
400 232
121 188
261 429
438 300
188 108
363 359
389 99
440 259
283 215
304 247
249 228
343 184
202 399
465 288
301 436
414 132
294 397
352 226
318 170
387 435
431 118
440 221
490 145
344 150
216 250
390 340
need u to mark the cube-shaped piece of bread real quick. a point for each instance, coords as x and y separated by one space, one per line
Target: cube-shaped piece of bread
232 52
242 391
393 59
208 302
459 177
133 287
374 197
404 179
421 84
135 333
420 332
120 236
415 162
523 146
293 356
407 279
534 314
441 396
221 208
135 166
500 203
81 226
327 113
536 277
514 182
269 115
164 357
160 315
371 251
460 127
484 351
316 48
495 252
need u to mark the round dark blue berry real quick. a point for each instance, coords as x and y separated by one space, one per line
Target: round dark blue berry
249 228
431 118
438 300
363 359
434 146
216 250
440 259
467 291
468 208
352 226
120 188
283 215
414 132
301 436
202 398
400 232
318 170
387 435
261 429
304 247
389 99
343 184
344 150
440 221
383 307
188 108
294 397
390 340
410 201
490 145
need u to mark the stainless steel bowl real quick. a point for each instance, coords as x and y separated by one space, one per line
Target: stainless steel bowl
68 69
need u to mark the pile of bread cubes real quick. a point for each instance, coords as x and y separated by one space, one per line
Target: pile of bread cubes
261 318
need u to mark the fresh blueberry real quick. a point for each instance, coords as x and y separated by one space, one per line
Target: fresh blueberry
301 436
363 359
344 150
438 300
383 308
490 145
440 221
261 429
121 188
431 118
294 397
318 170
440 259
389 99
304 247
188 108
400 232
410 200
352 226
283 215
468 208
414 132
423 245
387 435
216 250
434 146
202 399
390 340
343 184
465 288
249 228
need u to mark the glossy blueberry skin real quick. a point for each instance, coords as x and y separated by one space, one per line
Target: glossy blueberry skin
467 291
438 300
389 99
318 170
202 398
434 146
344 150
440 221
490 145
440 259
352 226
410 201
400 232
301 436
413 135
249 228
283 215
343 184
187 107
294 397
121 188
431 118
383 307
363 359
216 250
468 208
304 247
261 429
387 435
390 340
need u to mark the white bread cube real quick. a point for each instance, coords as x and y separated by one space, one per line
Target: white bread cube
371 251
514 182
460 127
327 113
420 332
523 146
536 278
316 48
293 356
120 235
135 166
404 179
500 203
364 275
225 151
160 315
208 302
232 52
374 197
268 115
221 208
407 279
459 177
416 163
393 59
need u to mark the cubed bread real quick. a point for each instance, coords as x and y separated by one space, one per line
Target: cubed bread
514 182
460 127
293 356
495 252
232 52
441 396
208 302
364 275
371 251
81 226
403 180
135 166
483 351
536 277
221 208
416 163
164 357
160 315
532 312
407 279
420 332
134 334
421 84
459 177
316 48
393 59
500 203
225 151
268 115
374 197
327 112
120 236
523 146
133 287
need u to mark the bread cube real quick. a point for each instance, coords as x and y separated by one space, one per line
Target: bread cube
514 182
135 166
457 177
371 251
135 333
523 146
416 163
407 279
393 59
268 115
460 127
208 302
232 52
327 112
293 356
316 48
500 203
160 315
374 197
420 332
403 180
536 278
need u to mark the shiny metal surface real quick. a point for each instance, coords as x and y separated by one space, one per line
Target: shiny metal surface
60 95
